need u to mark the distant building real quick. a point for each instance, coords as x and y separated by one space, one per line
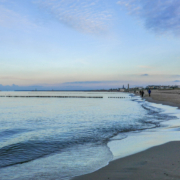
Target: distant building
160 87
139 88
122 90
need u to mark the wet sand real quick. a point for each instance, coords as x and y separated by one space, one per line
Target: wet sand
157 163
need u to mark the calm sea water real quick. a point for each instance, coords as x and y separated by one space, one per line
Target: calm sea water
59 138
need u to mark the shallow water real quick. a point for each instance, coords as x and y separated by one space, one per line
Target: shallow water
137 141
59 138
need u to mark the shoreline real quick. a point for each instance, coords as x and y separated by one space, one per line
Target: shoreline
157 162
164 97
150 99
169 98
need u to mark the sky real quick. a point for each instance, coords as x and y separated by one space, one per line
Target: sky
89 44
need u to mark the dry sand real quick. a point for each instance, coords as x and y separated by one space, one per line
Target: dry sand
157 163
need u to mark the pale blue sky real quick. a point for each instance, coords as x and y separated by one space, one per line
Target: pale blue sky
89 43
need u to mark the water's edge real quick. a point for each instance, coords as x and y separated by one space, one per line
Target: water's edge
135 138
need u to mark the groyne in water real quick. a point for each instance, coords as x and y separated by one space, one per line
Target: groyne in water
9 96
52 96
120 97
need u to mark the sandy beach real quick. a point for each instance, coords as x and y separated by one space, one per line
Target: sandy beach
166 97
157 163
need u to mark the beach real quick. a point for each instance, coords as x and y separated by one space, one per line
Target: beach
159 162
165 97
71 137
61 135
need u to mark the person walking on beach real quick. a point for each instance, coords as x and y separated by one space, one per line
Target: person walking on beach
149 91
142 93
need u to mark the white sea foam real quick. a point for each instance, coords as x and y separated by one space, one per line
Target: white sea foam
168 130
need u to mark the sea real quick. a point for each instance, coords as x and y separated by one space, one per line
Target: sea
60 135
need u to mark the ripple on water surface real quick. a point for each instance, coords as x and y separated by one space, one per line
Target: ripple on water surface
61 138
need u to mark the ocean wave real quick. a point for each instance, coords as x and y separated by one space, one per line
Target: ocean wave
37 145
23 152
11 132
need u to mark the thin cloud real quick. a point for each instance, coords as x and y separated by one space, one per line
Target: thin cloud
14 78
177 81
144 74
175 76
90 82
9 18
85 16
160 16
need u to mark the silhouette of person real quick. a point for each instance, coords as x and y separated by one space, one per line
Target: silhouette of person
149 91
142 93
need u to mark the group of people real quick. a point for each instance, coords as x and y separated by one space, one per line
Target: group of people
142 92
